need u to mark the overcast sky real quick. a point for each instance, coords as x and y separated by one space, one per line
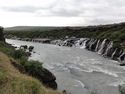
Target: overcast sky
61 12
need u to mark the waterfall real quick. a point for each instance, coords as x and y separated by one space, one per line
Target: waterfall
84 44
113 53
91 43
79 42
97 46
120 57
64 43
121 52
110 45
102 46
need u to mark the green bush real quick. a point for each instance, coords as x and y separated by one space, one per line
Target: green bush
18 54
32 67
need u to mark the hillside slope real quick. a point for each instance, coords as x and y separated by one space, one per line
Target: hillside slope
30 28
14 82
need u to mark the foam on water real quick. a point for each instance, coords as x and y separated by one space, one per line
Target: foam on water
103 70
81 84
118 82
106 72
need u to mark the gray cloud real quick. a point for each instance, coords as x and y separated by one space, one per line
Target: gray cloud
21 9
75 8
95 11
25 8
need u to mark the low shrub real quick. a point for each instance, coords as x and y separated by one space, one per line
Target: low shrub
18 54
32 67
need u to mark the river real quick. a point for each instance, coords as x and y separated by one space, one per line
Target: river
78 70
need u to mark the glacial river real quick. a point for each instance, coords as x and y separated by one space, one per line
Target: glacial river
78 70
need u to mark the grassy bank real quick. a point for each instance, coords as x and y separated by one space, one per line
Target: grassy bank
12 81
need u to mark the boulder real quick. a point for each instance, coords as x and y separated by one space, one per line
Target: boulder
31 48
48 79
24 47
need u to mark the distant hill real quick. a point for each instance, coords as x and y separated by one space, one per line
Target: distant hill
48 28
30 28
115 32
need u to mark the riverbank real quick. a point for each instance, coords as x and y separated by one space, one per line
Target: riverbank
14 82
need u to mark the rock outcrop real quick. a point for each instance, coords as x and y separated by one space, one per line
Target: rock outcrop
48 78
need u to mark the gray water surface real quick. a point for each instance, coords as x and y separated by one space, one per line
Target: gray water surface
78 71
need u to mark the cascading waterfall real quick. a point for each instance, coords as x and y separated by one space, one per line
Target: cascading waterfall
91 43
84 44
121 58
110 45
77 43
121 52
80 42
105 48
97 46
102 46
113 53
